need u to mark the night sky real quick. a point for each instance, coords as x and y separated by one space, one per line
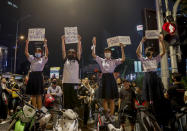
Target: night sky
100 18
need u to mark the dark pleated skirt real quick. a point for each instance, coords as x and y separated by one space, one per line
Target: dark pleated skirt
35 84
152 87
109 89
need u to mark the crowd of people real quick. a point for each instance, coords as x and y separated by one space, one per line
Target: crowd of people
116 95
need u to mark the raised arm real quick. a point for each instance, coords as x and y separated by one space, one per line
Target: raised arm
122 52
93 47
46 48
161 40
79 48
26 49
63 47
139 47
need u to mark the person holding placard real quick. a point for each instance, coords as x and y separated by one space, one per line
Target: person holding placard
71 74
152 84
108 91
35 83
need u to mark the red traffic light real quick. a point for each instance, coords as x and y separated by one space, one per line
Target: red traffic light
169 27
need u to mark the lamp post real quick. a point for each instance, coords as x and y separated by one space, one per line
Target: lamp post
17 37
16 48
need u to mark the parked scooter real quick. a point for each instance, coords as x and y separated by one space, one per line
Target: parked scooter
67 120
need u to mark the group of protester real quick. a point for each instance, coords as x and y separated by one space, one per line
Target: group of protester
105 87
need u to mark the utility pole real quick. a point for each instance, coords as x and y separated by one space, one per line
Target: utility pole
164 61
17 37
16 48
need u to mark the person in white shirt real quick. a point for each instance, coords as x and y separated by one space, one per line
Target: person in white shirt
70 74
108 91
35 83
56 92
152 84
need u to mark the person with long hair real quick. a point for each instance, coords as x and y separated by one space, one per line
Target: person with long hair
108 91
35 83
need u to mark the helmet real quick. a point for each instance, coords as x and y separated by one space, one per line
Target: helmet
49 100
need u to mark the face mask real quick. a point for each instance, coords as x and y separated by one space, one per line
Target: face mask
38 55
148 54
54 82
108 55
70 57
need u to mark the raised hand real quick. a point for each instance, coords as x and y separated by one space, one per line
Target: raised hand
27 41
79 37
63 37
121 45
143 39
45 41
161 37
94 40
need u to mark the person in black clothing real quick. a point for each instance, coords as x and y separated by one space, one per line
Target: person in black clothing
127 104
3 99
83 93
176 92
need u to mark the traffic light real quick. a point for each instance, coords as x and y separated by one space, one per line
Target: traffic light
169 27
169 30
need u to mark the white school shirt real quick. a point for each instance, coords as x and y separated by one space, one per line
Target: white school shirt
150 65
107 65
37 64
71 72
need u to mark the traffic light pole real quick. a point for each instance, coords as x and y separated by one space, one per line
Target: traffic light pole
172 49
164 61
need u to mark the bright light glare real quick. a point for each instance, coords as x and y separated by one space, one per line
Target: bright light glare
22 37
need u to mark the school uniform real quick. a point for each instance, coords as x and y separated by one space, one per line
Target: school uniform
35 82
109 89
70 82
152 84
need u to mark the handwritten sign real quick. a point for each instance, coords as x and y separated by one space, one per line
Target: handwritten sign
36 34
71 35
115 41
152 34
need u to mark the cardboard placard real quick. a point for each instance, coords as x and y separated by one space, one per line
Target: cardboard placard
115 41
71 35
36 34
152 34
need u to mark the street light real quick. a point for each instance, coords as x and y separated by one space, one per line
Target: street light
21 37
17 38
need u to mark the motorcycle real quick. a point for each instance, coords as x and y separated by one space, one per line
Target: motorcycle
29 118
67 120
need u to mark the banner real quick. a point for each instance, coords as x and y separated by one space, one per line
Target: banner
71 35
152 34
54 72
115 41
36 34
